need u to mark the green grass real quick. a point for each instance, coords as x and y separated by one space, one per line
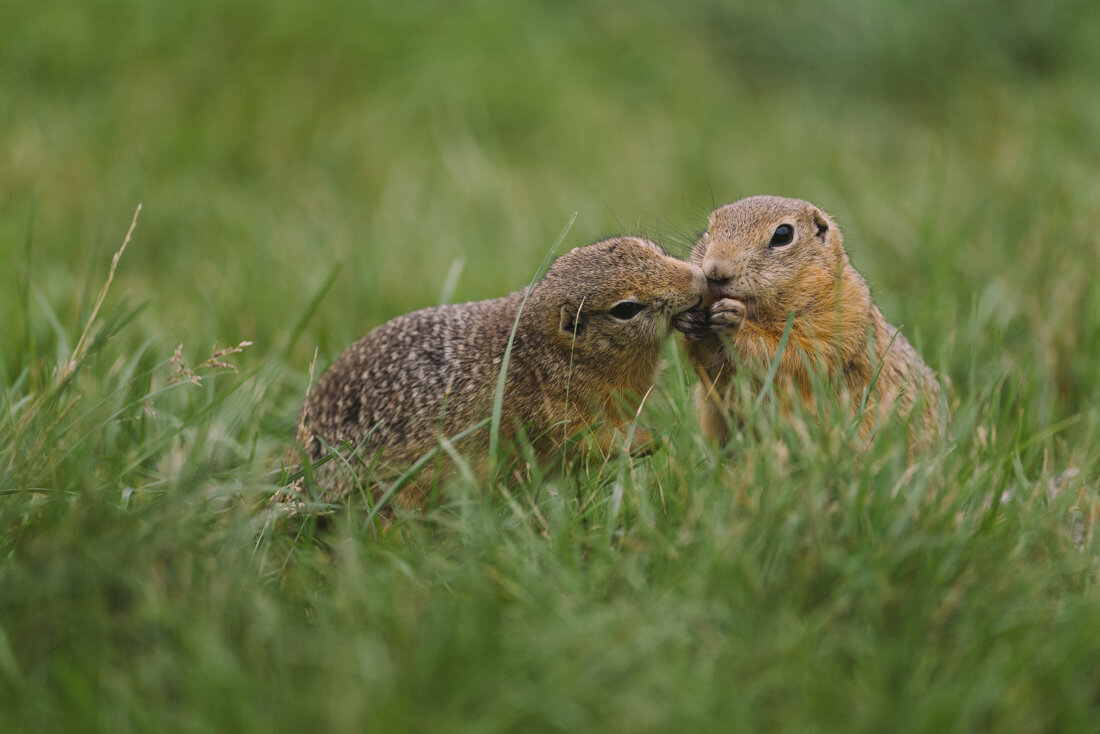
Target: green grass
272 147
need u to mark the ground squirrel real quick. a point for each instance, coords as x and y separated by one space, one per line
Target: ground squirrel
767 256
587 343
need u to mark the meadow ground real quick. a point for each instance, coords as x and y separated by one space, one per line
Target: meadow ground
307 171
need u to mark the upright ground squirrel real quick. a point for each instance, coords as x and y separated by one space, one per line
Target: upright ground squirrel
765 257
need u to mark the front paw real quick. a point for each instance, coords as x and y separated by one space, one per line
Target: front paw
643 443
693 323
726 315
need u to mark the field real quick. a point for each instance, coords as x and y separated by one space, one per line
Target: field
308 171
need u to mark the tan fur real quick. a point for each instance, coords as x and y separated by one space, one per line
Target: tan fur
752 289
573 365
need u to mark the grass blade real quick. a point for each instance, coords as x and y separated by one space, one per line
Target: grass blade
498 395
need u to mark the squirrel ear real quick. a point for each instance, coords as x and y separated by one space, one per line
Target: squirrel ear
821 222
571 322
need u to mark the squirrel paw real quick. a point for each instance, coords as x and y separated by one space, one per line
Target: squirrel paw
726 315
644 443
693 323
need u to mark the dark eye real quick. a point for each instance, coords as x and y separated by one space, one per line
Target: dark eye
784 234
625 310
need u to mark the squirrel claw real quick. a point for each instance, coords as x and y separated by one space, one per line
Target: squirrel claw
726 315
693 324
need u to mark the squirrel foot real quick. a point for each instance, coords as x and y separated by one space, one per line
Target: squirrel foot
693 323
722 317
726 315
644 443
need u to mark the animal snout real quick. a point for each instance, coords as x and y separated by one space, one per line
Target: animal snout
698 280
717 272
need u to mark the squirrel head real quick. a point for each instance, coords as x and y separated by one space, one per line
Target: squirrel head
612 299
771 253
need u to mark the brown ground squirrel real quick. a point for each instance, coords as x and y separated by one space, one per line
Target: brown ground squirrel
766 256
587 343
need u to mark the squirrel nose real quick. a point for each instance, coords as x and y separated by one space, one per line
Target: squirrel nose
716 271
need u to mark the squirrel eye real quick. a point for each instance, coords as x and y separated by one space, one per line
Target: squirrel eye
784 234
626 310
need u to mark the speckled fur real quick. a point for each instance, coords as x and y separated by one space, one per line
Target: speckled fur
433 372
758 286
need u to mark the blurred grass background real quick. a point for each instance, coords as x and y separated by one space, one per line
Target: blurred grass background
955 142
